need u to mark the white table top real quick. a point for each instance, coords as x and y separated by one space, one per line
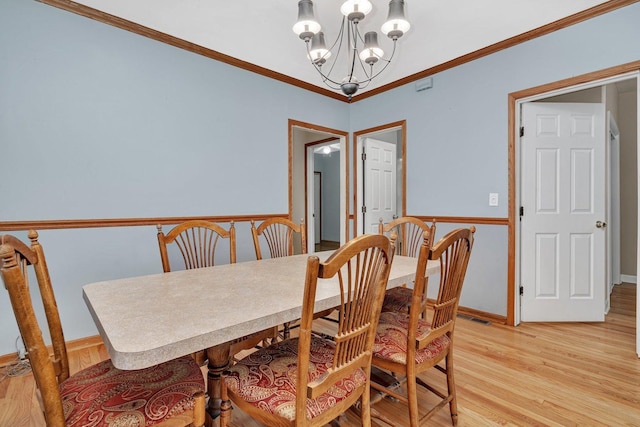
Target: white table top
147 320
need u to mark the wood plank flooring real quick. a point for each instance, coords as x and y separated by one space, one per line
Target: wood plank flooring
536 374
326 245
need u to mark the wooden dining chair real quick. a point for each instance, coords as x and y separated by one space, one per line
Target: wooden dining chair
197 241
311 380
278 235
169 394
407 344
410 232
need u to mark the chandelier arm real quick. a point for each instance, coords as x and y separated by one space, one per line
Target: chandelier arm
325 77
364 83
349 52
360 37
365 71
393 52
339 38
337 53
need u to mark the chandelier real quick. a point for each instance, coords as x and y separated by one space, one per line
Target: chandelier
367 61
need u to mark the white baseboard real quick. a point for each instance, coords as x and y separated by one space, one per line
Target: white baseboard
628 279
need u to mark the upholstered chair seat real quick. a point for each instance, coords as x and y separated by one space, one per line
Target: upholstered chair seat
103 395
267 378
392 335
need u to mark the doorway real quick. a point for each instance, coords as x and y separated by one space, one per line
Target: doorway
302 138
324 159
611 91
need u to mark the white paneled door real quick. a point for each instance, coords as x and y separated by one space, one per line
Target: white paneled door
563 224
379 183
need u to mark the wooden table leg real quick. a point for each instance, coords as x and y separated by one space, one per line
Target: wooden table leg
219 359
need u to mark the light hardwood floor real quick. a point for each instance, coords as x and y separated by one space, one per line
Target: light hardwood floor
326 245
537 374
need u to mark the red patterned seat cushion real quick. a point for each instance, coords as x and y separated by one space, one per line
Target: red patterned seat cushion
391 339
103 395
267 378
397 299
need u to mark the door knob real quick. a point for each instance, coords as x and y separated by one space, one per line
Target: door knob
601 224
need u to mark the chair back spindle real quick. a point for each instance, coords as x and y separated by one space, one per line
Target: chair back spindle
197 242
362 276
453 253
410 232
278 234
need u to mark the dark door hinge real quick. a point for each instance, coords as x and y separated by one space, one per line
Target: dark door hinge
364 156
364 209
521 131
521 211
521 290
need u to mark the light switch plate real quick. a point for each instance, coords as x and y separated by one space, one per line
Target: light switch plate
493 199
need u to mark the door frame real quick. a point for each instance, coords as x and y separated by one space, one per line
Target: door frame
401 161
613 206
515 100
317 209
298 161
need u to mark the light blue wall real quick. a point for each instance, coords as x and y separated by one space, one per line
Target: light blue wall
119 123
96 122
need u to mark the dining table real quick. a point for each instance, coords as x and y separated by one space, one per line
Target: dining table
150 319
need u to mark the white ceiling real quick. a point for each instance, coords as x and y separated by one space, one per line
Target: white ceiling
259 31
